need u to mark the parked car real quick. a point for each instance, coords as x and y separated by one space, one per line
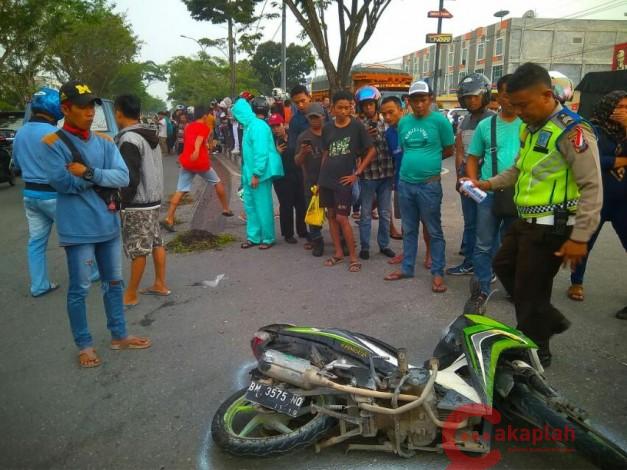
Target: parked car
104 121
10 122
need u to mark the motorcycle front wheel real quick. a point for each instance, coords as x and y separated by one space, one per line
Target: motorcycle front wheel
243 428
589 442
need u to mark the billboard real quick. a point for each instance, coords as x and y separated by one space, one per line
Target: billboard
619 57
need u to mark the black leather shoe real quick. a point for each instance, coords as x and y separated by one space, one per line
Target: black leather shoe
291 240
364 254
562 326
388 252
544 353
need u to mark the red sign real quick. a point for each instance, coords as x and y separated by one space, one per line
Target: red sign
443 13
619 58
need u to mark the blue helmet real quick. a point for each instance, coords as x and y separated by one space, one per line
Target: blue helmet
367 93
46 100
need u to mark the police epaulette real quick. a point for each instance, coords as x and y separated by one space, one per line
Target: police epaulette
50 139
103 136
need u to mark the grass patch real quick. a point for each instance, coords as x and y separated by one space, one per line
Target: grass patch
185 200
198 240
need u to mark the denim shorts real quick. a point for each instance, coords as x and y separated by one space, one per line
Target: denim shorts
186 177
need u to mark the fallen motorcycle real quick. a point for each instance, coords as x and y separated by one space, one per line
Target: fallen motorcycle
325 386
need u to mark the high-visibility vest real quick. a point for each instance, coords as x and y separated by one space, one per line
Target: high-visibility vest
546 180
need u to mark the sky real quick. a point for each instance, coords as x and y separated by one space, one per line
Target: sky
159 25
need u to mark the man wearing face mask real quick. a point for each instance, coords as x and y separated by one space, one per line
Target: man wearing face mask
558 195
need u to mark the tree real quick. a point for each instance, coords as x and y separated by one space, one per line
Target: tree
357 21
267 64
193 81
234 13
95 49
26 29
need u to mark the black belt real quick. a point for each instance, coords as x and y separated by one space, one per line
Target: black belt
39 187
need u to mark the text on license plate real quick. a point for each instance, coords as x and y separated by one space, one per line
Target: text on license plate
274 398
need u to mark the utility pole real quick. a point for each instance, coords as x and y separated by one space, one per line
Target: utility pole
437 55
283 51
232 57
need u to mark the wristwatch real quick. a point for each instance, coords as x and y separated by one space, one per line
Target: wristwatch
89 174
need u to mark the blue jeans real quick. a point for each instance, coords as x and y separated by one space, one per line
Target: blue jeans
382 188
80 261
469 211
40 216
421 201
490 231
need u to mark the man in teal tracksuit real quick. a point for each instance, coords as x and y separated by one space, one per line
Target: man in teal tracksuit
262 164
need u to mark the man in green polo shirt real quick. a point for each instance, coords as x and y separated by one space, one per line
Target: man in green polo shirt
425 137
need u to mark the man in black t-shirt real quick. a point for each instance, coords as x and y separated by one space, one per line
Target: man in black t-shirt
309 158
344 141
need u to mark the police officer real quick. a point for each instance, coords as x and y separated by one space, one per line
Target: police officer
558 195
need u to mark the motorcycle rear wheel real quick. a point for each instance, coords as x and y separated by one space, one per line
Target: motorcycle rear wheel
241 428
588 442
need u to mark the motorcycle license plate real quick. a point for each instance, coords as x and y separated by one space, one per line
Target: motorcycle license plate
274 398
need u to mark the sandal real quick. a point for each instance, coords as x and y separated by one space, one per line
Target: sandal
228 213
168 226
396 276
88 359
130 342
437 285
332 261
247 244
266 246
396 236
575 292
398 259
354 267
308 246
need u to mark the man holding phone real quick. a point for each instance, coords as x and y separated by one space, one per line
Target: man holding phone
309 157
289 189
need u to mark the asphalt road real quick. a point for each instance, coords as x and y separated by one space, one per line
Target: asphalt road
152 409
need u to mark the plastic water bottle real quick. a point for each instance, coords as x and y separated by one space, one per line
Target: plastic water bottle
475 193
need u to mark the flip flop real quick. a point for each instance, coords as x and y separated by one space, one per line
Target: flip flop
396 276
396 237
169 227
154 292
227 213
135 342
354 267
438 287
88 360
266 246
53 286
247 244
332 261
575 292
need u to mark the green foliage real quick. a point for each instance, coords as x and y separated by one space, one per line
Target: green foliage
219 11
198 240
266 62
195 81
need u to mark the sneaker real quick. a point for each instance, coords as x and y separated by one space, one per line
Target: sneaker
461 270
364 254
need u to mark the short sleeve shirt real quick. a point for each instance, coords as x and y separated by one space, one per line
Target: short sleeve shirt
192 131
507 144
312 162
345 145
468 126
422 141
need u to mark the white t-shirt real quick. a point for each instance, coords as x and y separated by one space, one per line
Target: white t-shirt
163 128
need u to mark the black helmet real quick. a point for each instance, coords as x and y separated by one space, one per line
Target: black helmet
260 105
474 84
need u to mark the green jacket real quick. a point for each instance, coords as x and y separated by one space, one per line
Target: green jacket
260 157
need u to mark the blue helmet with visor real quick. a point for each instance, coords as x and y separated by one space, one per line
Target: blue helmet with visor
46 100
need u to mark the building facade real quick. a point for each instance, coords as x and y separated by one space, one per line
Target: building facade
571 46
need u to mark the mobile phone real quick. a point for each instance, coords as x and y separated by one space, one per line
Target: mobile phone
306 141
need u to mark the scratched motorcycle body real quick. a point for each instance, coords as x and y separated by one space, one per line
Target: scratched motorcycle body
326 386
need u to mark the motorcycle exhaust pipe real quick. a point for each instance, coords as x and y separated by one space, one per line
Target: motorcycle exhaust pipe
286 368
